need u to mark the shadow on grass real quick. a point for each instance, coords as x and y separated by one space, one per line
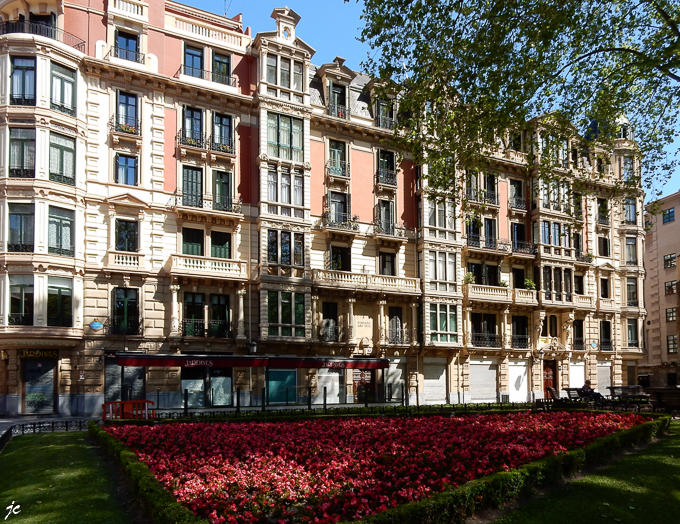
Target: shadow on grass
57 478
643 487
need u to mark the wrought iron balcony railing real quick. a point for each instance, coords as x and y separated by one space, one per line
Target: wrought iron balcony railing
129 325
22 172
389 228
204 74
56 105
340 221
60 320
338 110
222 144
385 122
633 302
330 334
20 248
632 262
193 328
633 344
486 340
34 28
520 341
61 251
338 168
518 203
192 200
387 177
397 336
579 344
123 124
219 329
63 178
127 54
522 246
22 100
494 244
229 205
606 345
17 319
186 137
587 257
603 220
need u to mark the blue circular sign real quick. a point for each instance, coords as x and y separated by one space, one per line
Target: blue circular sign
96 325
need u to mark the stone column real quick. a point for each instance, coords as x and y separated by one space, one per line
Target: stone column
241 325
467 327
414 323
174 313
381 321
505 336
350 320
315 324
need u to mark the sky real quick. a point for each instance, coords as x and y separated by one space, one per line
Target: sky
332 28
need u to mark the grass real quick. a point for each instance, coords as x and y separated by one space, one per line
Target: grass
643 487
57 478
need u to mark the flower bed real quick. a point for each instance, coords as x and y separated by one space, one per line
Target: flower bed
331 470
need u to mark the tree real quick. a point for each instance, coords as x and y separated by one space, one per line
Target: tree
472 72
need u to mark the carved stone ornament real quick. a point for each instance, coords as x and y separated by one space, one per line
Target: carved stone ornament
287 287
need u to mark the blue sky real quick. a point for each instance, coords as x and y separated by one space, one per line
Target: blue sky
329 26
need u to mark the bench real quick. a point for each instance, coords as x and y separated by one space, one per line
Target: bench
630 397
128 409
665 399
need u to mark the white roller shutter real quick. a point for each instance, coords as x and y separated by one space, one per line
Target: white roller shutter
518 376
483 381
604 377
395 376
577 373
434 373
330 379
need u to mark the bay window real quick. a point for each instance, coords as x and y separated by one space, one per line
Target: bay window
285 137
286 314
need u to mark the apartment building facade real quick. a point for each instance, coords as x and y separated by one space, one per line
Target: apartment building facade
193 214
660 365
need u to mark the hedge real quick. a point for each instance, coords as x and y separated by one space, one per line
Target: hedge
449 507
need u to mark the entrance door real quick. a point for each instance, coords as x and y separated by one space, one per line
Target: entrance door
193 381
549 376
220 387
395 335
329 324
282 386
364 385
39 385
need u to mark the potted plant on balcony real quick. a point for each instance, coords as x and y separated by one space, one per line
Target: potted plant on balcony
530 284
469 278
503 283
127 128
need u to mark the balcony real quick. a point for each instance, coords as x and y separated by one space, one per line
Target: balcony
633 302
132 8
193 328
488 243
188 138
127 261
16 319
360 281
63 178
384 122
228 205
518 203
329 334
38 29
125 125
338 168
220 268
338 111
606 345
22 100
486 340
126 326
603 220
126 54
396 336
524 297
605 303
521 341
22 172
585 301
219 329
55 105
20 248
386 177
61 251
389 228
481 196
584 258
632 262
633 344
222 145
60 320
344 221
210 76
487 293
523 247
579 344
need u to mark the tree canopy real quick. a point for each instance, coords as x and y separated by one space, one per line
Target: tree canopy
469 69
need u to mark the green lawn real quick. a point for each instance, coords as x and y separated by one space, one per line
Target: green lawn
643 487
57 478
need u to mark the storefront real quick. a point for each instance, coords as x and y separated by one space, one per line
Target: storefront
39 384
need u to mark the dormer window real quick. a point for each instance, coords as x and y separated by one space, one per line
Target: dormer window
385 117
127 47
338 103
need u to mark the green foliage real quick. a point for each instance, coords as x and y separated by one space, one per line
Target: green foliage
529 284
478 71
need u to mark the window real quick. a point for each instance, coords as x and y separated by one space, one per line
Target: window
193 323
672 343
192 241
385 114
605 335
669 215
127 47
222 198
286 314
338 104
579 287
631 289
545 232
671 287
192 133
279 190
20 300
222 139
23 81
385 225
22 153
556 234
63 90
220 244
628 171
669 261
337 164
340 259
387 264
272 60
219 318
632 332
603 245
62 159
485 275
61 229
339 214
630 211
193 61
192 187
278 72
21 228
442 270
125 319
127 233
604 288
59 302
284 137
602 211
126 170
670 314
285 249
386 168
443 323
631 251
126 114
221 69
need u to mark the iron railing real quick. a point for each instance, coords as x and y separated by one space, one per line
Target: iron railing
338 110
20 248
124 124
486 340
34 28
603 220
193 328
587 258
219 329
229 205
56 105
632 262
633 344
186 137
579 344
494 244
63 178
396 336
192 200
385 122
61 251
387 177
204 74
633 302
19 319
521 341
340 221
606 345
389 228
338 168
22 100
127 54
522 246
330 334
122 325
518 202
222 144
22 172
60 320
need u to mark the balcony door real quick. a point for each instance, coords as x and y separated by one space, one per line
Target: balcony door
193 125
192 187
490 233
127 110
218 325
126 311
336 152
520 332
483 329
194 323
222 196
329 323
338 205
386 216
395 334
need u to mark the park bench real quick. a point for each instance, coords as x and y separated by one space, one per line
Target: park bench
128 409
665 399
630 397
